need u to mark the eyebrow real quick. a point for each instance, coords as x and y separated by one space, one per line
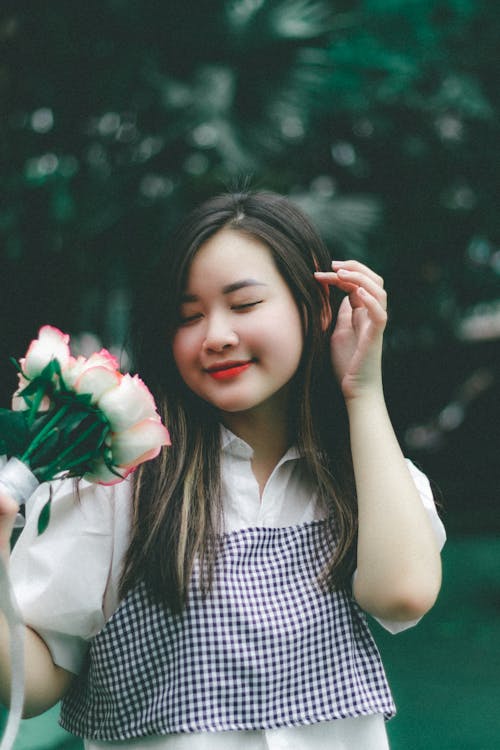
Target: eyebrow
227 289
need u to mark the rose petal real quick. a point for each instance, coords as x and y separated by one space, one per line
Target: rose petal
50 344
96 381
18 403
129 403
104 358
139 443
100 474
73 370
76 367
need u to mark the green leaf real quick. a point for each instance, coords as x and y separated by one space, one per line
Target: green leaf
44 517
16 364
51 369
84 398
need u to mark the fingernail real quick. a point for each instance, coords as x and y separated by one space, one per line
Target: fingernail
344 272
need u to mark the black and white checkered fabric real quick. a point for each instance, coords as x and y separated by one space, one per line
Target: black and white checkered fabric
268 648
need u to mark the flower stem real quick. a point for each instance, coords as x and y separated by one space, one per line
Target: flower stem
60 463
40 437
48 474
35 405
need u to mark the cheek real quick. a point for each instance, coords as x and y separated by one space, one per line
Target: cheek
182 350
284 338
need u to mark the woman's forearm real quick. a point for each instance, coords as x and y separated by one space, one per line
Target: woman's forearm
45 682
398 568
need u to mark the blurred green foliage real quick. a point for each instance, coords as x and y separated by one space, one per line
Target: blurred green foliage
379 117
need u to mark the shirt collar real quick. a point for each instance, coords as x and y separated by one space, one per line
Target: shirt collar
233 445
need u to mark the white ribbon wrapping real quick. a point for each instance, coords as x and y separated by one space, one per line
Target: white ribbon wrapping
20 483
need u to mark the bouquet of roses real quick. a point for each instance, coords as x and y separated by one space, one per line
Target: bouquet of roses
70 417
76 417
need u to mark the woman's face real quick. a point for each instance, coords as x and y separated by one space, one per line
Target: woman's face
240 339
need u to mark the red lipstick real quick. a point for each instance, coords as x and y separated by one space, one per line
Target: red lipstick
228 370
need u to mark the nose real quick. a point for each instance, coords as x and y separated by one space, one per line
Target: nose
219 334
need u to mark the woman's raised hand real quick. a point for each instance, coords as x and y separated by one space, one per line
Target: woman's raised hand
356 343
8 512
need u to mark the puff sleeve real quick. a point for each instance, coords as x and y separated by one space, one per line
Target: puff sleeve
65 580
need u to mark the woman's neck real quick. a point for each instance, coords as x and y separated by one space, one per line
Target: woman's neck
268 435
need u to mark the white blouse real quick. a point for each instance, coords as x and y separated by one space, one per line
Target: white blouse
66 581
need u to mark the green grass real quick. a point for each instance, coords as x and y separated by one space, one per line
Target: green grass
445 673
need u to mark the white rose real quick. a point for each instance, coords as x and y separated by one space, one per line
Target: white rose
77 367
97 381
50 344
100 474
130 402
139 443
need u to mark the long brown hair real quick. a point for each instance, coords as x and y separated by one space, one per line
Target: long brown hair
177 509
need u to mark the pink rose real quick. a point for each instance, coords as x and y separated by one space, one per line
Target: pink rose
130 433
75 368
100 474
96 381
129 448
50 344
139 443
130 402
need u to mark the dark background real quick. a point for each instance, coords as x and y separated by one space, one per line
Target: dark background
379 117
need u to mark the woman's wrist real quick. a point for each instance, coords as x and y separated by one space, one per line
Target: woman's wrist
365 400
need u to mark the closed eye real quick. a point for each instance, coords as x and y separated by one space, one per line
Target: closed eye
246 305
187 319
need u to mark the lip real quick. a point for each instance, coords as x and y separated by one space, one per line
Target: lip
228 370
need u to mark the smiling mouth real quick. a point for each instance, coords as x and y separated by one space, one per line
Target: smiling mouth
229 370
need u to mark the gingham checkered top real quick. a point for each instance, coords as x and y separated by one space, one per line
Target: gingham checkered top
267 648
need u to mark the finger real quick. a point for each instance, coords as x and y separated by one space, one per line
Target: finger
350 281
344 314
8 506
376 312
327 280
330 278
322 279
363 280
356 265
